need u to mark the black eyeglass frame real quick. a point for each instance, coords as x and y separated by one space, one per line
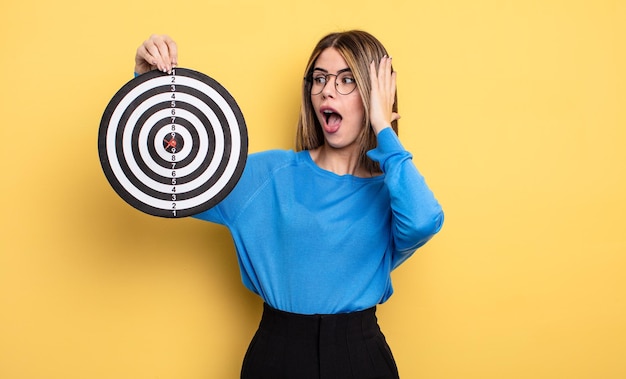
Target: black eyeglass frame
311 80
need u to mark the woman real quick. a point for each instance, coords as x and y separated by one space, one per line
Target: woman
319 230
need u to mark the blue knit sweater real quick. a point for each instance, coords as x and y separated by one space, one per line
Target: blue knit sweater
312 242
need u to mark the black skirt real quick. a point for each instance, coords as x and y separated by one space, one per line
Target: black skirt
339 346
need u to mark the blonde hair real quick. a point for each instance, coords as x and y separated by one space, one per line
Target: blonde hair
359 49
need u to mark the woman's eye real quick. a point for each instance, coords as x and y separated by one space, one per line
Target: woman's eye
319 79
347 80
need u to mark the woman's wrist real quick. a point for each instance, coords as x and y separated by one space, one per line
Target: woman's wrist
378 127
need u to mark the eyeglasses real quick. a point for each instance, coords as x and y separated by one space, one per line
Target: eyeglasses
344 82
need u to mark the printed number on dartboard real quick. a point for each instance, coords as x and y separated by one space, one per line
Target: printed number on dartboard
173 134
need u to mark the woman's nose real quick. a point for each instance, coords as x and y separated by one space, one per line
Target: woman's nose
330 88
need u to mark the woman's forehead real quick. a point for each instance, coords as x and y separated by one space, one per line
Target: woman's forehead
330 60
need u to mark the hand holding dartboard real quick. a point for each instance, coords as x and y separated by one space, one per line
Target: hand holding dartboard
172 145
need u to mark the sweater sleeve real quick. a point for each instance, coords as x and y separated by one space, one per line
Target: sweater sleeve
258 171
416 214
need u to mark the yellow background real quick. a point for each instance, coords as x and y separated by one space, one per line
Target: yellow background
515 113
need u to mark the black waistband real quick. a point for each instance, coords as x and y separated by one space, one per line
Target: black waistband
294 325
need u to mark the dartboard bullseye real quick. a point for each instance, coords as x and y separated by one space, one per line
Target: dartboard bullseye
173 145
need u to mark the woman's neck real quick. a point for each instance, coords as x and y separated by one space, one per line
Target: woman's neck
339 161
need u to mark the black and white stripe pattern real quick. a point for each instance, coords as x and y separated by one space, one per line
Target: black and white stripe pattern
173 145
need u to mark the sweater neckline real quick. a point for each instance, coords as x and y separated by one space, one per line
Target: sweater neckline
306 154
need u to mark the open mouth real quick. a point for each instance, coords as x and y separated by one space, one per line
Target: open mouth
332 118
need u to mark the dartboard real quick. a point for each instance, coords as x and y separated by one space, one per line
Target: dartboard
172 145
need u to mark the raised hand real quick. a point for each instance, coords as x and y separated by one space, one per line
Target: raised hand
382 95
159 52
